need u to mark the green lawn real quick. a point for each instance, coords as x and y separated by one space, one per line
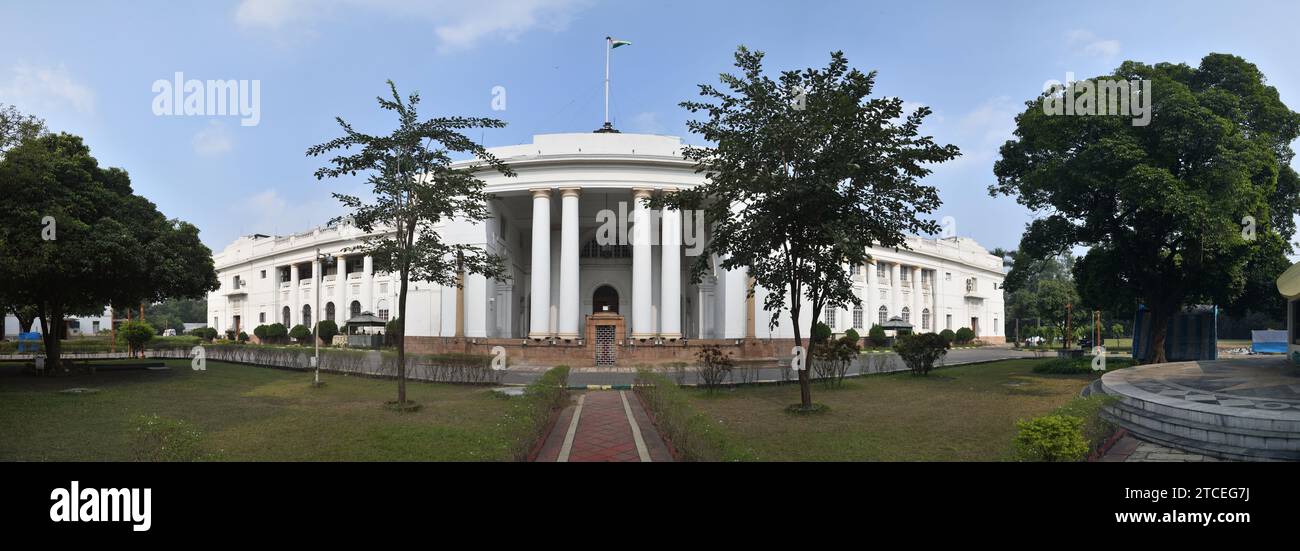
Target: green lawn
247 413
954 414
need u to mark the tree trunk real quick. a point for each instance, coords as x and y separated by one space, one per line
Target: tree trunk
50 334
1160 316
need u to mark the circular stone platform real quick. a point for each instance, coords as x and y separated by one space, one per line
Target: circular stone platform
1243 408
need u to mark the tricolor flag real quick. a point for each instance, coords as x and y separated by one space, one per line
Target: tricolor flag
614 43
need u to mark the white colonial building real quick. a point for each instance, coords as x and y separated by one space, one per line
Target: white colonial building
550 223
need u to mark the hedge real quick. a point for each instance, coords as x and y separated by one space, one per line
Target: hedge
694 436
528 417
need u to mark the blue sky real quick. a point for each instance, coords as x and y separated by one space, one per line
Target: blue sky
87 68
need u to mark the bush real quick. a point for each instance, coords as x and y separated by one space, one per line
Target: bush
948 336
831 360
260 333
821 333
300 333
694 436
964 335
392 332
1051 438
135 334
877 335
200 332
920 351
1088 409
852 334
327 329
528 417
210 333
276 332
243 337
715 367
156 438
230 334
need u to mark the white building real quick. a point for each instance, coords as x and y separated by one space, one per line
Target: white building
546 222
77 325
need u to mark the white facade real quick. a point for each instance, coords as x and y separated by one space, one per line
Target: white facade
77 325
545 222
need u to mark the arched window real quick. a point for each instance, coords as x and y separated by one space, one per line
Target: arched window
285 315
925 318
604 299
329 312
306 315
381 310
907 315
857 317
354 309
883 316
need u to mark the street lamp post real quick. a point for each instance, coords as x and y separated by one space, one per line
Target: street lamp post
321 260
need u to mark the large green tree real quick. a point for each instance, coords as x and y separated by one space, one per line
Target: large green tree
805 174
75 236
414 187
1161 207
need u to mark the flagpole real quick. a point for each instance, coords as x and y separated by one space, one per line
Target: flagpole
609 42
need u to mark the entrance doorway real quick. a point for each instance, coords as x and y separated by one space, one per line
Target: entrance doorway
975 326
604 299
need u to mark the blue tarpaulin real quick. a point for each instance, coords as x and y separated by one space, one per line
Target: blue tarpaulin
1270 341
1192 334
29 342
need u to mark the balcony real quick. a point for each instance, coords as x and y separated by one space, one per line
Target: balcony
354 275
329 278
284 284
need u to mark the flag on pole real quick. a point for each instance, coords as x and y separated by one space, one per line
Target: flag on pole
614 43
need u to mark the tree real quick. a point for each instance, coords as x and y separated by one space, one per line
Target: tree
136 334
414 187
1163 208
327 329
805 175
877 335
15 128
1050 304
75 237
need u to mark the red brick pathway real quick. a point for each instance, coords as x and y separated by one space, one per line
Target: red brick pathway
604 431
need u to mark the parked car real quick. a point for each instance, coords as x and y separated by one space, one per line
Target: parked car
1085 342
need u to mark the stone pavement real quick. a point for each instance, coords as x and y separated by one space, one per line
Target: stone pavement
1131 450
607 425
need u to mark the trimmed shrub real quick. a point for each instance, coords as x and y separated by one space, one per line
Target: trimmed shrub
300 333
948 336
156 438
260 333
1051 438
964 335
920 351
276 332
243 337
821 333
852 335
327 329
694 436
528 417
877 335
1079 366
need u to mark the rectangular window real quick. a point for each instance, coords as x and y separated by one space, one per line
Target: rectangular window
261 317
947 276
949 321
830 318
263 274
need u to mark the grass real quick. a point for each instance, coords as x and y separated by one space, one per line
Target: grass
247 413
965 413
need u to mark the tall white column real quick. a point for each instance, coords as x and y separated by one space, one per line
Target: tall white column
934 301
569 299
642 279
539 316
368 285
871 302
916 298
670 290
317 280
340 290
295 297
895 290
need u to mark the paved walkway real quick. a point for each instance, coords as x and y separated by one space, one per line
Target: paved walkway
607 425
1131 450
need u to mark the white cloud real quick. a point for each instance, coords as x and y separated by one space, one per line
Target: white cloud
1092 46
214 139
458 25
271 213
39 89
646 123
